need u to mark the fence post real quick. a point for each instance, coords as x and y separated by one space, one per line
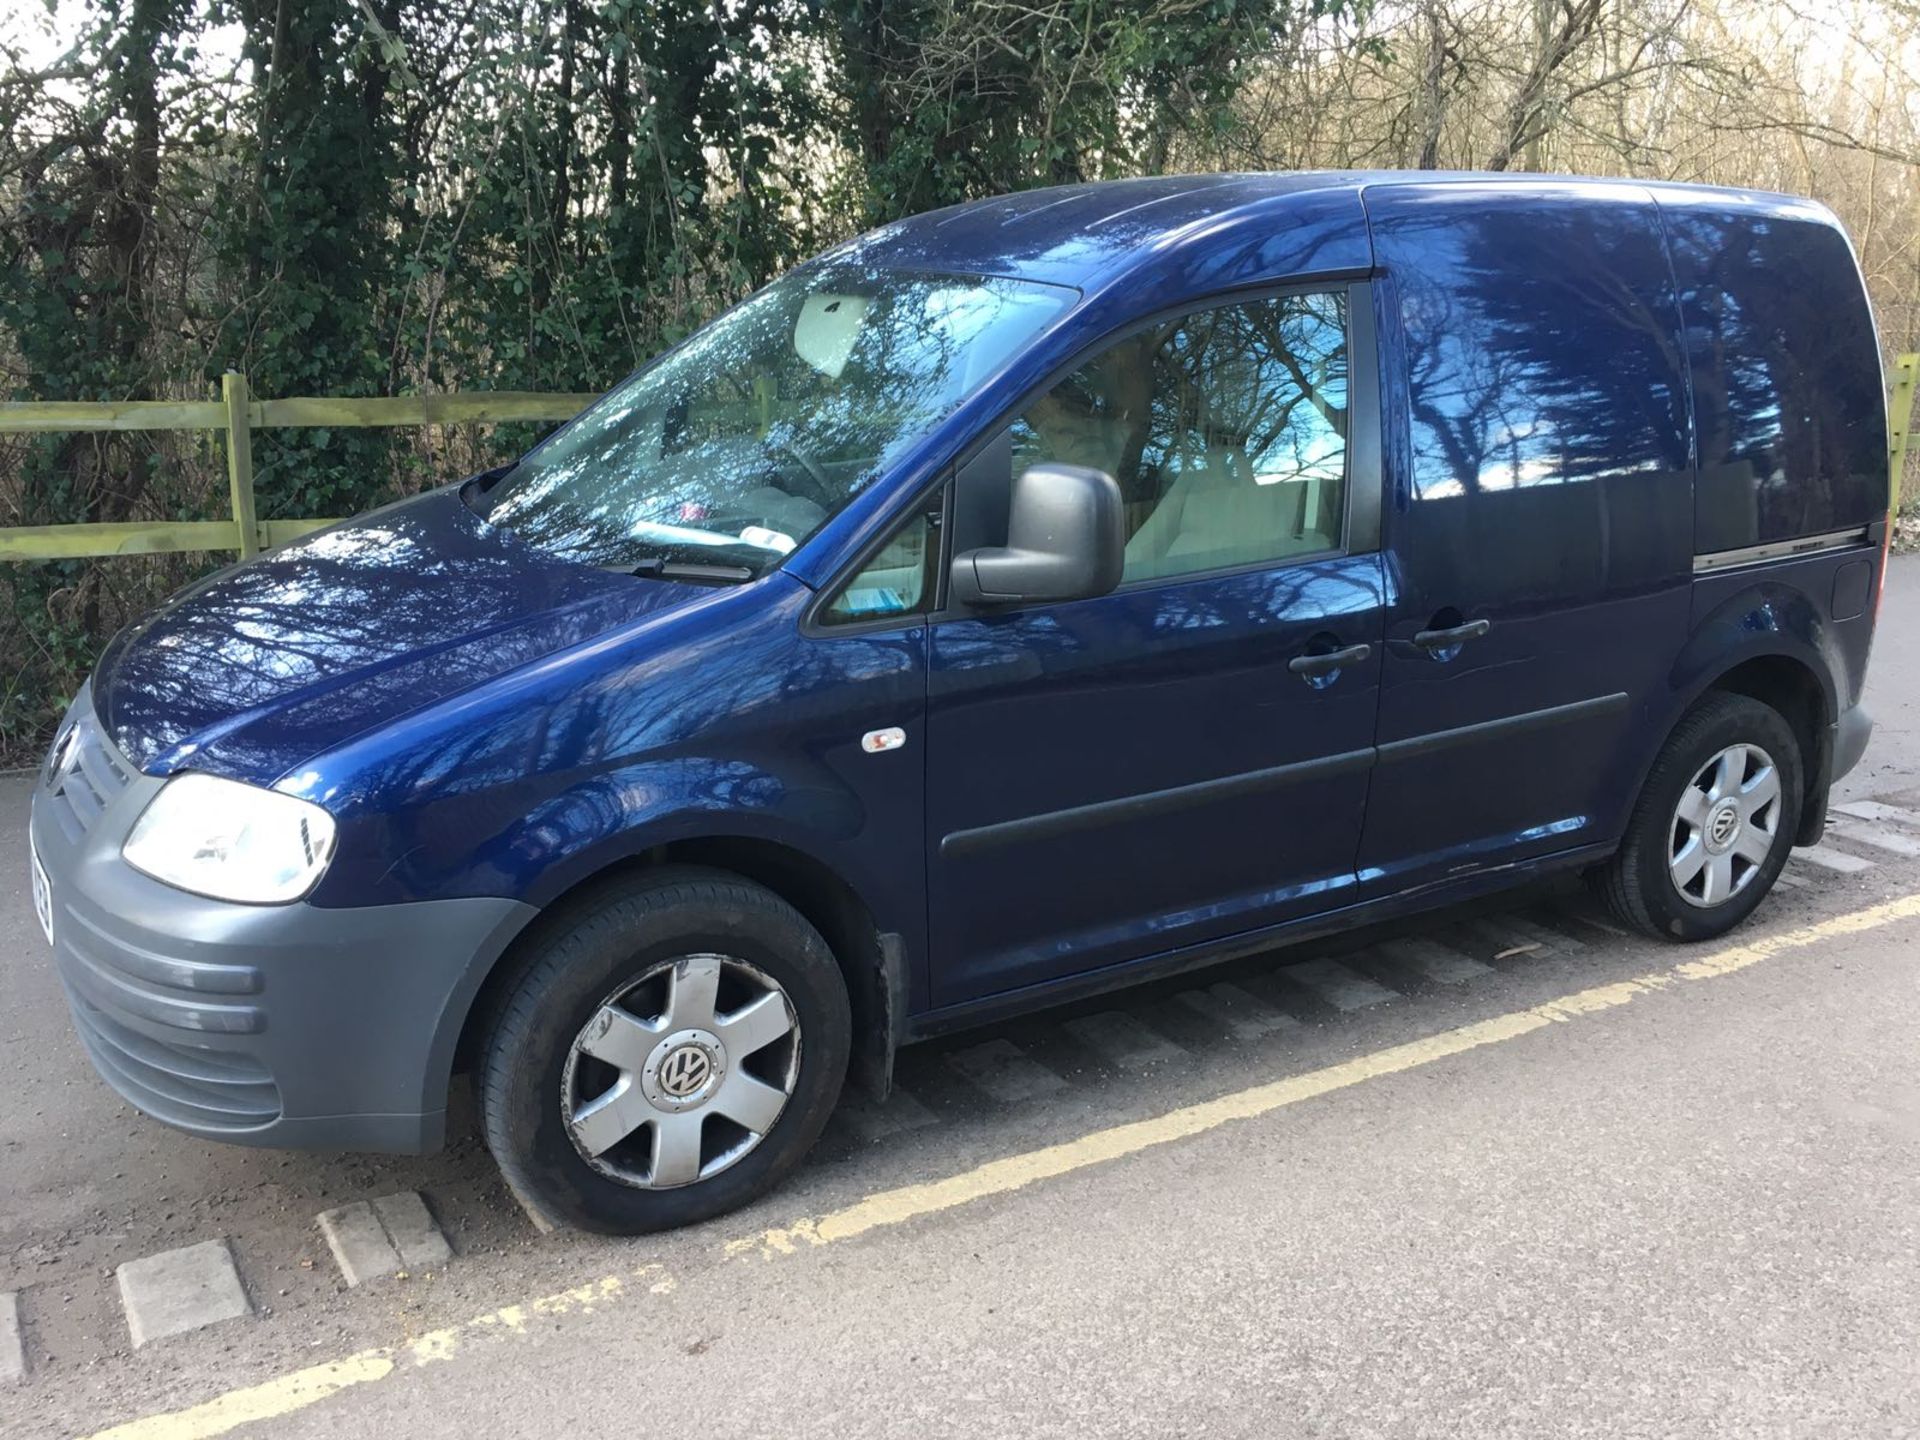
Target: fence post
1899 420
233 390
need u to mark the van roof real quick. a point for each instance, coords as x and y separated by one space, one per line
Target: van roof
1089 234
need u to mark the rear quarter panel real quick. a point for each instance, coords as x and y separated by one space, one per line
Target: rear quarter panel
1791 436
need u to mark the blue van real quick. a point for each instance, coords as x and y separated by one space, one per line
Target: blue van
1012 603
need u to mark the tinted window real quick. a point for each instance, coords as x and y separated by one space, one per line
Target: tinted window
1225 428
1545 397
1786 375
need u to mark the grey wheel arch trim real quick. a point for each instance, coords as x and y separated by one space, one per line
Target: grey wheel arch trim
455 1034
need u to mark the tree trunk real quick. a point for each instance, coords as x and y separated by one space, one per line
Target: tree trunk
1433 106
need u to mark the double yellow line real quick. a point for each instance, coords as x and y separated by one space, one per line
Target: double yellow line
289 1393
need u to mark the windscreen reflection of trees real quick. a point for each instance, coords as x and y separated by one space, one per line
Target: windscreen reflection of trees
737 429
1267 380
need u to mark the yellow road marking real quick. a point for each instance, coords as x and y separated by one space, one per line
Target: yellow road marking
281 1396
289 1393
1015 1172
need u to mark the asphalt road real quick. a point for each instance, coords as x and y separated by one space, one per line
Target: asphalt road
1567 1189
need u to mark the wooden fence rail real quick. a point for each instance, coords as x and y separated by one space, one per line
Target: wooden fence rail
238 415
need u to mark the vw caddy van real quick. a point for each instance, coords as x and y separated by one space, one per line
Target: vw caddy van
1016 601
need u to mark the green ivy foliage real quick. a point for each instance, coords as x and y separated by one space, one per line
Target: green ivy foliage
360 197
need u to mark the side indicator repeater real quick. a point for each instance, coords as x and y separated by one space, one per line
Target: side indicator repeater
876 742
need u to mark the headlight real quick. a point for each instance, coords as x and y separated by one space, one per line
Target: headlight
231 841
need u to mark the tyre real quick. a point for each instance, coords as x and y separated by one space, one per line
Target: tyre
1713 824
671 1049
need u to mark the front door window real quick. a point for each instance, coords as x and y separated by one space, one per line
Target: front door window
1226 429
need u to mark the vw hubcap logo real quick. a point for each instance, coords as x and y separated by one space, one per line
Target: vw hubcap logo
1722 827
684 1071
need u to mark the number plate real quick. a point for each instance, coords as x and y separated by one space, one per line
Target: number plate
42 892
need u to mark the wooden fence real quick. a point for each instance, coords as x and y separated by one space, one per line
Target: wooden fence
239 415
1906 369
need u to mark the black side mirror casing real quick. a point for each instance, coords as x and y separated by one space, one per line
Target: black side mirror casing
1066 540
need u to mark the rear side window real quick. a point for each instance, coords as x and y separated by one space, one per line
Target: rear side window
1545 392
1226 429
1786 376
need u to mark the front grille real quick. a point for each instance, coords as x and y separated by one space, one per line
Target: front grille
86 773
186 1085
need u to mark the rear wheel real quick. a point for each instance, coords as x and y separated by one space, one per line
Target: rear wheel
1713 825
672 1050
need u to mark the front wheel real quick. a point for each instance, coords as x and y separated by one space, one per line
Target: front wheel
1713 825
672 1051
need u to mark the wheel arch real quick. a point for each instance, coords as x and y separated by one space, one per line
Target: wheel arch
1762 635
1790 688
872 961
1790 682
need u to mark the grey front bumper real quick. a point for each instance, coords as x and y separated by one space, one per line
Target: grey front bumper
286 1025
1850 735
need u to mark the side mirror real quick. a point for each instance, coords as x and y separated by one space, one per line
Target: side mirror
1066 540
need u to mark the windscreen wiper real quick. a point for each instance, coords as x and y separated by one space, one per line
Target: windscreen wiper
656 567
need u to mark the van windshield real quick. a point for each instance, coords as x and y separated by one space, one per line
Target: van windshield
734 448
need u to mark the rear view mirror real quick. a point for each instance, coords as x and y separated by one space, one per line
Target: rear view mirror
1066 540
827 330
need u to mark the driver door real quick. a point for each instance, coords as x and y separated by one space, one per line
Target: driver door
1185 758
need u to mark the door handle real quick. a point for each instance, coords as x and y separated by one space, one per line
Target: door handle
1311 665
1453 635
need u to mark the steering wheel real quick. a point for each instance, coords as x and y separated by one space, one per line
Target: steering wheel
817 479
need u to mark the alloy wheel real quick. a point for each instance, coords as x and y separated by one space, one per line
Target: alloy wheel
1725 825
681 1073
